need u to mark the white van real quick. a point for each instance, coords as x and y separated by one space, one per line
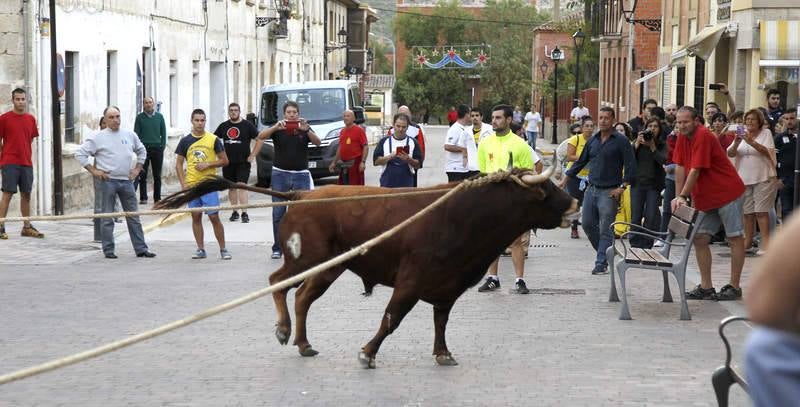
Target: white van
321 105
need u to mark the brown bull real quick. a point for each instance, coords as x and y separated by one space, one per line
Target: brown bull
435 259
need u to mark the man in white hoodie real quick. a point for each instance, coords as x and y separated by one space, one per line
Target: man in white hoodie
112 149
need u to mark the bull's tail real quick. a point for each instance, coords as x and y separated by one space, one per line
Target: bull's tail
181 198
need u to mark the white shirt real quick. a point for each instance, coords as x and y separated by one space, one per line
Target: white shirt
486 131
579 112
752 166
533 120
458 136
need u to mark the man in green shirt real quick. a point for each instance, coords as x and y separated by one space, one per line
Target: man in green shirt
503 150
152 131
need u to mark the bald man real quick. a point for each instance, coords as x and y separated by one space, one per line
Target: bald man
112 148
353 149
152 132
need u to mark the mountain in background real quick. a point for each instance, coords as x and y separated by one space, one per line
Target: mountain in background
386 12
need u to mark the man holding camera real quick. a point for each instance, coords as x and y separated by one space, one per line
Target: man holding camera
290 137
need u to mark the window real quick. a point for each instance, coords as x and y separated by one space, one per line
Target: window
262 74
173 93
699 83
237 67
318 106
680 86
111 78
280 73
70 96
195 84
249 91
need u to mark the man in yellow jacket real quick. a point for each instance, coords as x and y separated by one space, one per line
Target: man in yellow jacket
503 150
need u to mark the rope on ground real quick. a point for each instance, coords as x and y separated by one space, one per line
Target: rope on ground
58 218
101 350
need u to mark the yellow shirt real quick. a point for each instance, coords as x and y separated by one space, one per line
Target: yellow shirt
197 150
579 142
494 150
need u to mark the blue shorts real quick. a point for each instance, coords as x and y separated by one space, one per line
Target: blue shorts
728 216
208 200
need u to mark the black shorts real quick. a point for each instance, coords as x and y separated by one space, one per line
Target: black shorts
237 172
17 176
460 176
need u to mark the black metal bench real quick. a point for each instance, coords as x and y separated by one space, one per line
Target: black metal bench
725 376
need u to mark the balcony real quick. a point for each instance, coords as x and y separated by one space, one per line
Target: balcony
607 20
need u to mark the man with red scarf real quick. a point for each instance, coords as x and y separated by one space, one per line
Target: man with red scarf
353 147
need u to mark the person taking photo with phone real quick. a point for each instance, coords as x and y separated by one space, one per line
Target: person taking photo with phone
290 137
753 154
398 154
651 153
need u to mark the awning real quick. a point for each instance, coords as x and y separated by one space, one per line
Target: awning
702 44
654 73
780 41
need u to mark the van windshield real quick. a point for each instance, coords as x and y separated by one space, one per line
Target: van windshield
317 106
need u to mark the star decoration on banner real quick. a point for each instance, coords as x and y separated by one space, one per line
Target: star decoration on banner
451 53
435 52
468 52
421 59
482 58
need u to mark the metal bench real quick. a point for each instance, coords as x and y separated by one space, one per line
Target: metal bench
684 224
725 376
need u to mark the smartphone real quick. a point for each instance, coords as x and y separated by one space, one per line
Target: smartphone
733 128
401 149
739 131
292 126
714 86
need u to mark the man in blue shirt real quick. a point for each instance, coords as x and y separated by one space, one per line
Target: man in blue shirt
612 168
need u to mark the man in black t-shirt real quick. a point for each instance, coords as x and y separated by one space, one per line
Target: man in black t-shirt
785 145
290 137
236 135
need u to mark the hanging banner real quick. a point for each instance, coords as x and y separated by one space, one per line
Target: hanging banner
451 56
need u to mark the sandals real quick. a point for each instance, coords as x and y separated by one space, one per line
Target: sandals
31 231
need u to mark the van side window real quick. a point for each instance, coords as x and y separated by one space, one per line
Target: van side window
355 97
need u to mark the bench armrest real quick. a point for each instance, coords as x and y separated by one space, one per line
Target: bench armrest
631 232
653 232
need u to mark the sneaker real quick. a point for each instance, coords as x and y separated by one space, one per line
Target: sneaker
658 243
245 218
760 252
234 216
728 293
521 287
224 254
276 255
3 234
574 234
199 254
599 270
491 284
143 202
31 231
700 293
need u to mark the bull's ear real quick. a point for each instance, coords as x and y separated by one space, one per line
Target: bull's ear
538 193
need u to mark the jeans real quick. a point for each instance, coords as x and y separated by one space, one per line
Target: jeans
644 204
599 211
666 210
787 197
284 181
532 138
123 189
155 158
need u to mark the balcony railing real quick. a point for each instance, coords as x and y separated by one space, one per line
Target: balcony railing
606 17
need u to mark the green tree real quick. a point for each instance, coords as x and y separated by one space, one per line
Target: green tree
381 63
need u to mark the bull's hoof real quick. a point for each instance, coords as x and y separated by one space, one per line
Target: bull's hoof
283 337
308 351
446 360
367 362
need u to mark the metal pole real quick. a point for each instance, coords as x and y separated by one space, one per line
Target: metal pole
797 158
554 139
577 75
58 173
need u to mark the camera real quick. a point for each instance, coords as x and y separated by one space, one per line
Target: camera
647 135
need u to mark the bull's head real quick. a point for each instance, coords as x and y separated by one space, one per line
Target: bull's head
553 202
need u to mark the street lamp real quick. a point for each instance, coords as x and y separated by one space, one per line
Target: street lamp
556 55
651 24
542 67
577 39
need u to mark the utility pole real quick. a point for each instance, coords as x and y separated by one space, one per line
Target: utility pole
58 172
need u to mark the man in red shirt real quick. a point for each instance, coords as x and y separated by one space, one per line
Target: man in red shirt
17 131
704 171
353 147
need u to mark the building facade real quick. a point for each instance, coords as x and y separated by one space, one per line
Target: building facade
186 54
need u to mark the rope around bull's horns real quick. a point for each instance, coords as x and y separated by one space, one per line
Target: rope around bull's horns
356 251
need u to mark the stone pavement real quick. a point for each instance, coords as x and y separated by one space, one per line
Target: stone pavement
563 346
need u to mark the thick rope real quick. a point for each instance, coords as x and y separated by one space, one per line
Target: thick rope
356 251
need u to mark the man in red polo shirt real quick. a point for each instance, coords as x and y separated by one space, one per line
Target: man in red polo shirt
353 147
17 131
704 172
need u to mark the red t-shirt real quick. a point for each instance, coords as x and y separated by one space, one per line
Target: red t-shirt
718 183
726 139
351 142
452 116
17 132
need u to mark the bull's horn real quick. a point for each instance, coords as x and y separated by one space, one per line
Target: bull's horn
539 178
